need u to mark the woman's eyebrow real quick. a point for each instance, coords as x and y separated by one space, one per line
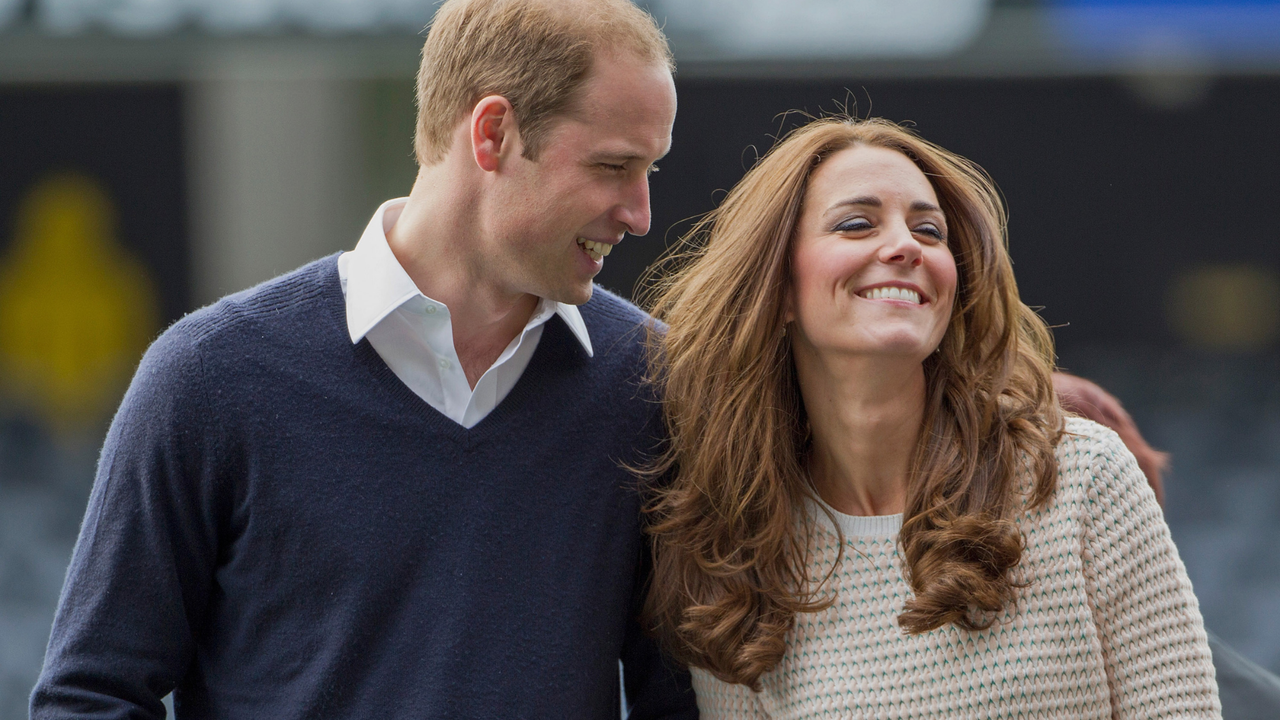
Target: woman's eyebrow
872 201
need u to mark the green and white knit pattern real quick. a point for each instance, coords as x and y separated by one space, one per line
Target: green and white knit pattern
1107 626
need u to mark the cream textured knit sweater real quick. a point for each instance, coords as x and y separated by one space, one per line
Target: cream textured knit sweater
1107 628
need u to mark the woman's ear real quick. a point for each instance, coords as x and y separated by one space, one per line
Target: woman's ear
788 306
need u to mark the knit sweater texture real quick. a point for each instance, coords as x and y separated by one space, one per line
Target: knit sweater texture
280 528
1106 626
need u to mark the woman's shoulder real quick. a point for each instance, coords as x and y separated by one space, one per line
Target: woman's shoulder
1092 458
1083 438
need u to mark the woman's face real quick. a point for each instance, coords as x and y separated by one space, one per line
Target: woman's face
871 272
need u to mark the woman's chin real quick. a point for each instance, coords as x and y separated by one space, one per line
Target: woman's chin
908 350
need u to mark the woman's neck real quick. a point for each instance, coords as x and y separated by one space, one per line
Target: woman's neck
865 415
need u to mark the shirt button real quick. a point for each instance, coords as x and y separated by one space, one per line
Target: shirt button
431 309
444 364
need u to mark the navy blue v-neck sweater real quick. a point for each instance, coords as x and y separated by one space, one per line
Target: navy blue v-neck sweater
280 529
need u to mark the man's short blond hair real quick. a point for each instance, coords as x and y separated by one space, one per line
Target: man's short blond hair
535 53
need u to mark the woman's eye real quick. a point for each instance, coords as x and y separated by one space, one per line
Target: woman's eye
854 225
932 231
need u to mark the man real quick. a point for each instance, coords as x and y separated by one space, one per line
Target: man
390 483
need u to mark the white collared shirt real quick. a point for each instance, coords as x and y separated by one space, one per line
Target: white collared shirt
414 334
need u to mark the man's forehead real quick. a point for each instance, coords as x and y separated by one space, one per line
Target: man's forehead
611 138
625 80
603 142
616 105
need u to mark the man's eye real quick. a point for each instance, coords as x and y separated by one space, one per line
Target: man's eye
614 167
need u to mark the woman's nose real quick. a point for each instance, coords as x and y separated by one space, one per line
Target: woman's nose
901 247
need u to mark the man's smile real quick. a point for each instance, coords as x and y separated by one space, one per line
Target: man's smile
595 250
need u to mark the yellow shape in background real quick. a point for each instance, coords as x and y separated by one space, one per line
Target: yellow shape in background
1233 308
76 309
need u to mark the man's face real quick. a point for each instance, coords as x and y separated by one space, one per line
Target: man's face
555 218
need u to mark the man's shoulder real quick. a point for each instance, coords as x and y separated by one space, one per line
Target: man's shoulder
614 317
269 306
285 319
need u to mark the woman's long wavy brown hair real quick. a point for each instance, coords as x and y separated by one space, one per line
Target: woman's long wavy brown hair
730 557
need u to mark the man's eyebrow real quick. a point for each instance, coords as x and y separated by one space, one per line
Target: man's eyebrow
621 156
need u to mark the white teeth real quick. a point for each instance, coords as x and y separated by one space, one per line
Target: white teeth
596 250
892 293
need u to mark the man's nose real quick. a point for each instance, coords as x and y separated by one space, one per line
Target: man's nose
901 247
634 209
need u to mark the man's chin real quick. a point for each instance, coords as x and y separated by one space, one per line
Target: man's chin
579 295
576 294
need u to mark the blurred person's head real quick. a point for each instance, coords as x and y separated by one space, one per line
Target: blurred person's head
729 569
1087 399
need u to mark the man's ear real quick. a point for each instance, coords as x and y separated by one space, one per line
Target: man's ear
494 134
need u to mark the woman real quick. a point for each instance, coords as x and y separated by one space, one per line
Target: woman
876 507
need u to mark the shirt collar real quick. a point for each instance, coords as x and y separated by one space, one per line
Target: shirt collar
573 318
376 283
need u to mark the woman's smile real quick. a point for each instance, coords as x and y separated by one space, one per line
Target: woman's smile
896 293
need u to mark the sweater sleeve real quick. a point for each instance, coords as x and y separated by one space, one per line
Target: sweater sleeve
142 569
657 689
718 700
1154 644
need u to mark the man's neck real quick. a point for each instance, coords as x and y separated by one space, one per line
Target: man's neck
430 241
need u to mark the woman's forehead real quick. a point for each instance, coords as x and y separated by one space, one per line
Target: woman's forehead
869 171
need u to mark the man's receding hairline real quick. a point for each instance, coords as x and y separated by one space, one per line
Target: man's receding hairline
574 108
552 70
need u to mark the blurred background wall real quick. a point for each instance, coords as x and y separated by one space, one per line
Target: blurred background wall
157 154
